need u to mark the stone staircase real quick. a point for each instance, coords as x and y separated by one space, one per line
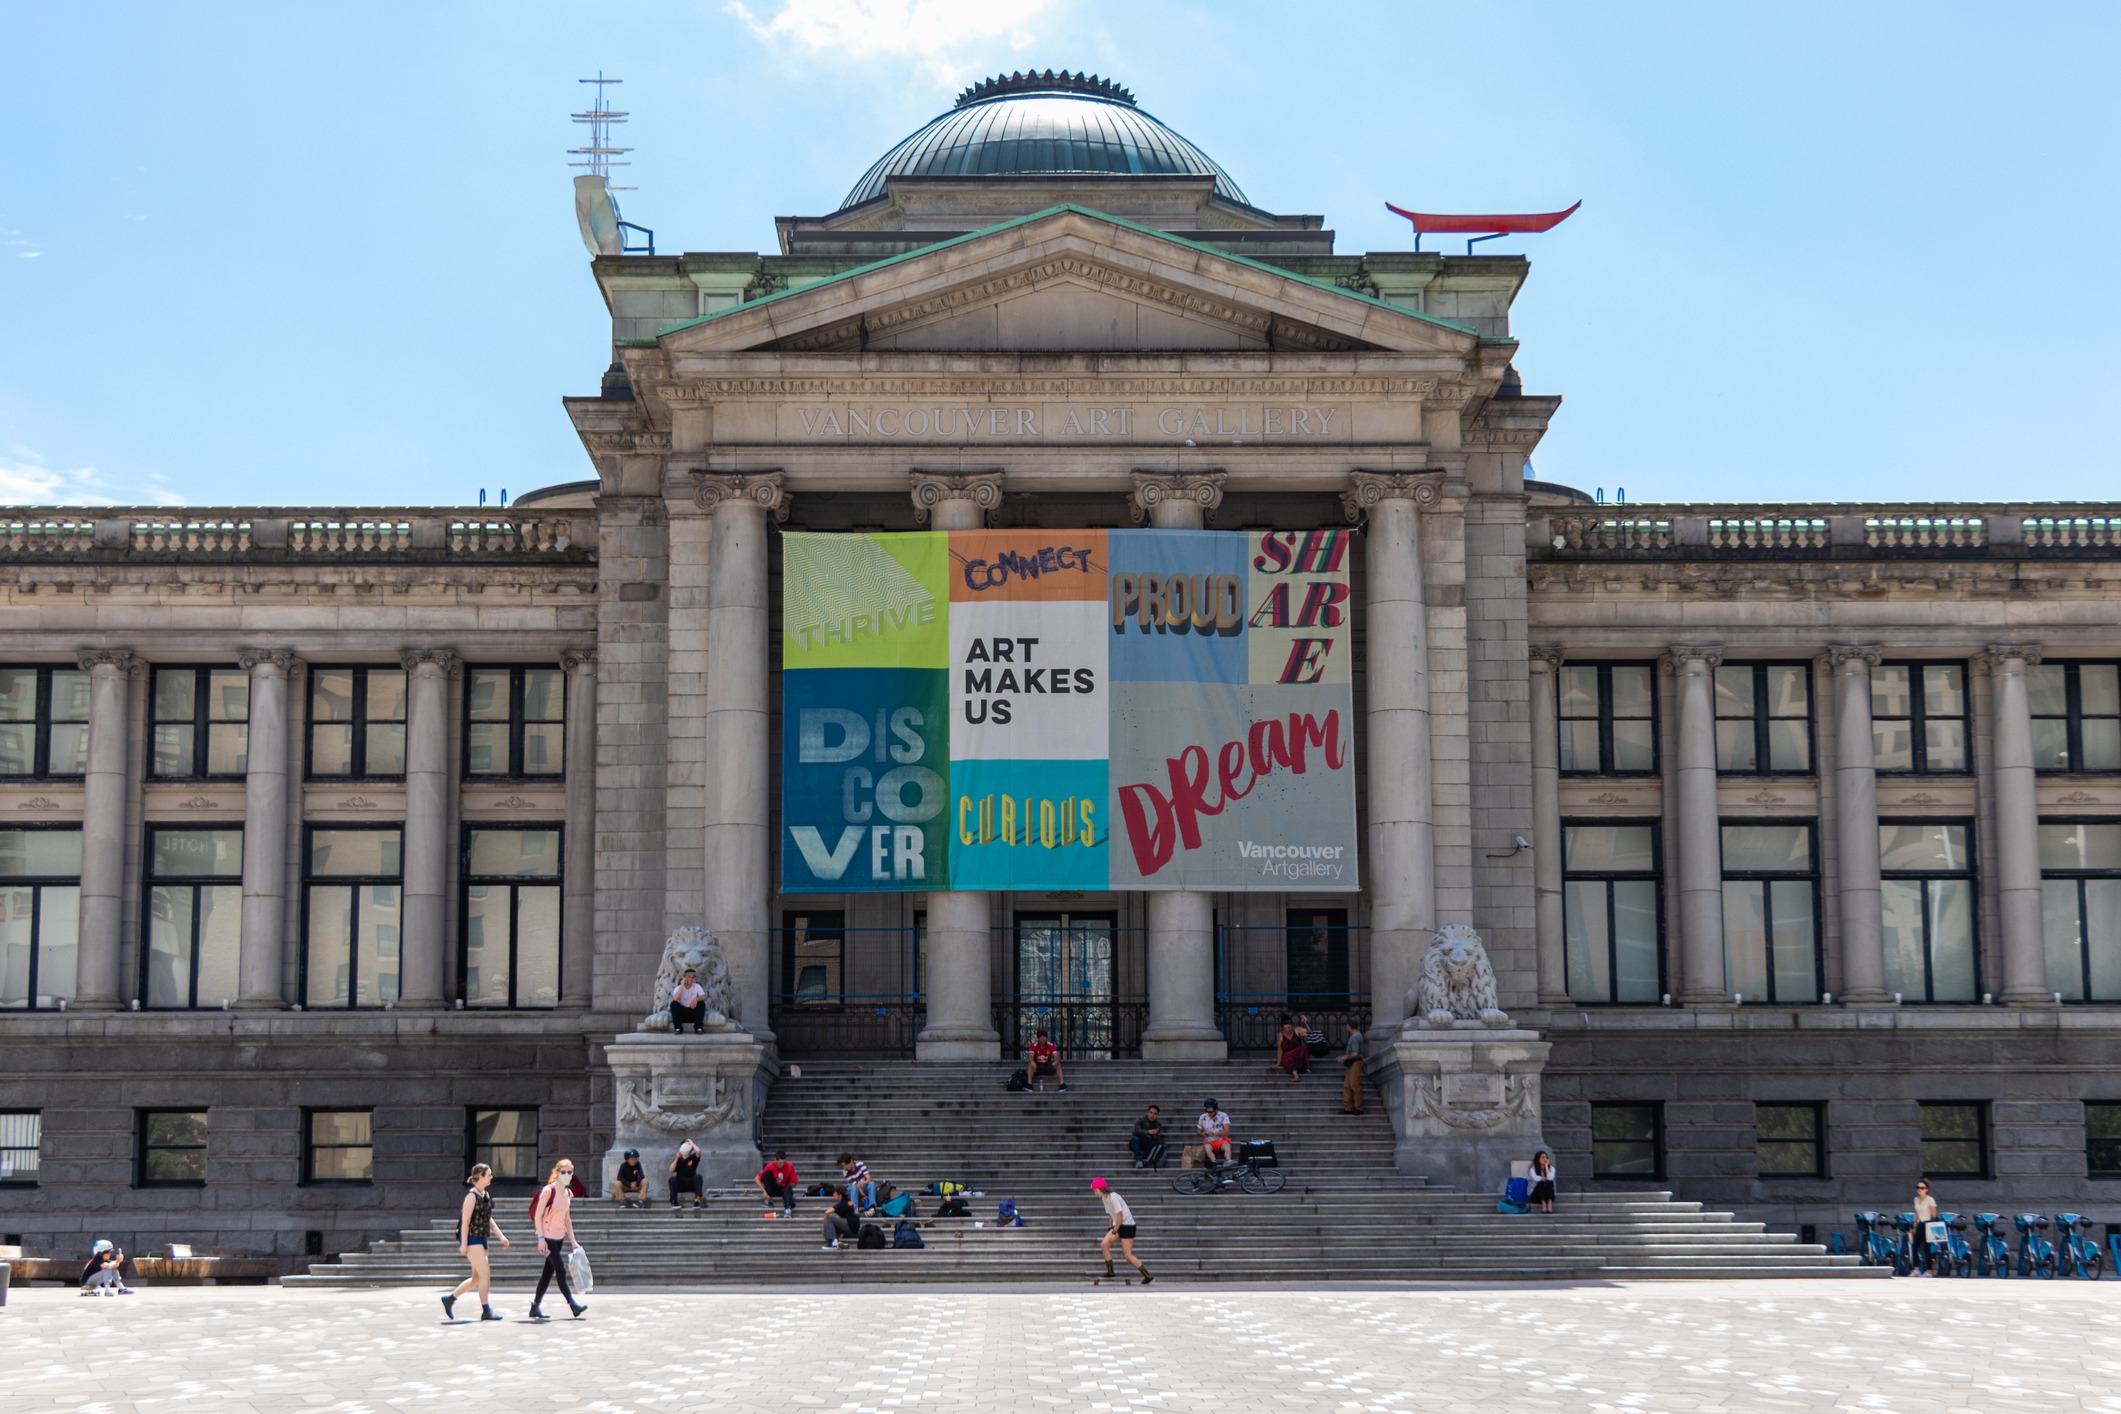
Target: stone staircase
1346 1214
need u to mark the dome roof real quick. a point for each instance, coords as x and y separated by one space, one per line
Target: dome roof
1043 124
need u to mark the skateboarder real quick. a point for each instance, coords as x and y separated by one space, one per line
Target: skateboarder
1121 1231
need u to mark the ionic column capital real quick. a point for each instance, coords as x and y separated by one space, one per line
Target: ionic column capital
119 660
443 659
763 488
277 659
1546 656
1869 653
930 489
578 660
1153 488
1680 655
1369 488
1992 658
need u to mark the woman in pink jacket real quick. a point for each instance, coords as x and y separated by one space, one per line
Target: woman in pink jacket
553 1217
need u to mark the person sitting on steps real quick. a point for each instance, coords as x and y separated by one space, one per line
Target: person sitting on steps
688 1005
777 1180
860 1186
1214 1127
842 1224
629 1186
1147 1140
685 1175
1045 1060
1293 1053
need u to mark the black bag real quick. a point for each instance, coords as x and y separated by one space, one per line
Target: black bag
907 1234
872 1238
954 1208
1016 1083
1259 1153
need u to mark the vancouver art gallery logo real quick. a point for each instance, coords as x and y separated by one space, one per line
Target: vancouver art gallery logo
1142 709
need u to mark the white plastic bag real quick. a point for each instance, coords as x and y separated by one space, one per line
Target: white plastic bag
578 1273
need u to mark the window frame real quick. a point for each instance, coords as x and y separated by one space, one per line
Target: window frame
202 721
1817 1110
150 881
2099 1173
516 722
359 724
1657 1140
36 1151
38 883
312 881
1605 719
2078 877
514 883
310 1146
41 725
1970 875
511 1183
1655 877
1725 875
2073 718
1981 1139
1918 716
143 1119
789 972
1763 750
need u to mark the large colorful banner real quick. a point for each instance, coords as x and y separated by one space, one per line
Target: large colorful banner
1041 710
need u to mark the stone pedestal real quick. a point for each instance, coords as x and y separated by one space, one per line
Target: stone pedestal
667 1088
1464 1099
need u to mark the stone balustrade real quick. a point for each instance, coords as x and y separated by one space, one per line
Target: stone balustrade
482 536
1833 531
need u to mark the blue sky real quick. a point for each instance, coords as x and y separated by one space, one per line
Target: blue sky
307 254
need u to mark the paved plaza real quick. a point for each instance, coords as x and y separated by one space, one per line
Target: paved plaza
1795 1345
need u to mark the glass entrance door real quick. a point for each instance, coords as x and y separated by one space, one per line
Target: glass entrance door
1064 981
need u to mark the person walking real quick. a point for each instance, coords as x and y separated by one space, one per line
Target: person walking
1925 1214
1121 1229
553 1220
1351 1072
685 1175
1541 1194
475 1229
1147 1140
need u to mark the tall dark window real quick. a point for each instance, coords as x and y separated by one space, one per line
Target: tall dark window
1609 912
350 957
1954 1140
202 722
1608 714
356 723
1918 718
194 915
515 721
1928 896
2102 1139
43 722
1315 941
2076 716
1627 1141
1764 718
40 916
507 1142
813 955
512 917
2080 908
21 1147
1770 913
1789 1141
340 1147
172 1148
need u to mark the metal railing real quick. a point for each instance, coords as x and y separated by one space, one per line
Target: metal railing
1830 531
1089 1029
1251 1021
882 1026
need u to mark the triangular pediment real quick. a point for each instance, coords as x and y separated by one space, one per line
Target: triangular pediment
1067 280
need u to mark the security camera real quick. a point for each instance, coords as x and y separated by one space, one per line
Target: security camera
1522 842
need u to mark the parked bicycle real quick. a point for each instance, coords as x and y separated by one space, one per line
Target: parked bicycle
2036 1255
1952 1257
2079 1254
1904 1245
1874 1245
1254 1170
1992 1247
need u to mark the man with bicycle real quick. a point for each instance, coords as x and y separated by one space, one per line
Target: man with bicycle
1214 1127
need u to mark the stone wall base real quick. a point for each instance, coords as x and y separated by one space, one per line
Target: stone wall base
1464 1101
668 1088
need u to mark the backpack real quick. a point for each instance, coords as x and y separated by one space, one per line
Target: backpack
896 1206
954 1208
1016 1084
945 1188
532 1210
907 1234
871 1239
1006 1214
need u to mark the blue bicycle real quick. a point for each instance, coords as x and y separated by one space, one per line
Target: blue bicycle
2080 1255
1995 1249
1873 1247
1952 1257
1904 1245
2036 1255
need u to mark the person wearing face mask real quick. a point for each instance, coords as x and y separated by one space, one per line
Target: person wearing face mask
553 1220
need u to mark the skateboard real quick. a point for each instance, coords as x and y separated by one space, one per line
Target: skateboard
1126 1278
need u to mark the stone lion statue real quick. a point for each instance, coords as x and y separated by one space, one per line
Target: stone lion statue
699 950
1457 984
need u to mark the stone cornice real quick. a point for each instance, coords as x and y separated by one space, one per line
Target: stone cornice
643 441
1153 488
1369 488
764 488
931 489
683 392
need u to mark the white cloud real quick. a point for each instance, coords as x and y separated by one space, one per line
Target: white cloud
938 34
26 479
21 245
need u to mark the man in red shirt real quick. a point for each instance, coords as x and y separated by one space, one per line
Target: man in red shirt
1045 1060
777 1180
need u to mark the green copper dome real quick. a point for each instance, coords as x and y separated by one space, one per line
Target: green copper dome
1043 124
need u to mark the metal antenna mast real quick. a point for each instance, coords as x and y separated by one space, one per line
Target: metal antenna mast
601 118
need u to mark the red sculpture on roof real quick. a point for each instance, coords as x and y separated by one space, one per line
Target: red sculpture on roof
1482 228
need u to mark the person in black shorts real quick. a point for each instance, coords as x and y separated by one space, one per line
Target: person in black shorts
476 1230
1121 1231
685 1175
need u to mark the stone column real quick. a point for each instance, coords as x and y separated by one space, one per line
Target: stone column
1700 839
736 843
2017 827
423 969
1856 826
98 984
1402 863
578 864
958 973
1544 662
261 957
1181 1023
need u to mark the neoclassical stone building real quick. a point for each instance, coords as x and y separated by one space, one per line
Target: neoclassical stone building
338 842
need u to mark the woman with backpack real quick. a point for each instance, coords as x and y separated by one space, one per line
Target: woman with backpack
475 1229
552 1218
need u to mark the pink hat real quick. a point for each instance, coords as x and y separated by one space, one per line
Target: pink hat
1097 1183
